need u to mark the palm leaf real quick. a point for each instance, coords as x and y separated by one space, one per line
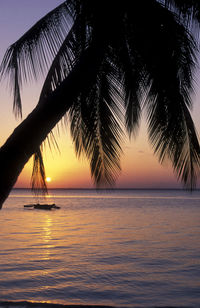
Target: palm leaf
38 178
32 54
187 10
173 136
38 182
171 129
57 77
65 59
167 57
131 80
95 125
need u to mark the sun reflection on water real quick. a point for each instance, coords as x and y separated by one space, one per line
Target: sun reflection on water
46 236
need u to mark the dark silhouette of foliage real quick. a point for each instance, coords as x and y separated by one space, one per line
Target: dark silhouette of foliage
117 58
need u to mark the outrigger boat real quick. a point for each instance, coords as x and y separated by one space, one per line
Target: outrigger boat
42 206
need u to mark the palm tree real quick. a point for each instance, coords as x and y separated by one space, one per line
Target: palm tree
105 61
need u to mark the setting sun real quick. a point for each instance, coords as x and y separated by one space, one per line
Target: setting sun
48 179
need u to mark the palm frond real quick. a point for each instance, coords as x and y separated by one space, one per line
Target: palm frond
171 129
173 136
96 126
65 59
38 179
32 54
132 79
187 10
59 75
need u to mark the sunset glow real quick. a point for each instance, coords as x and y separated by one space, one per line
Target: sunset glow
100 153
139 167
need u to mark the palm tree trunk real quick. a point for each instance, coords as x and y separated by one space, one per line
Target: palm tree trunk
28 136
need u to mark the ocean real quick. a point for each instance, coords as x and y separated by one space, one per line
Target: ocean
125 248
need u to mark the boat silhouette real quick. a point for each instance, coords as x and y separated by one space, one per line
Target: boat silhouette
39 206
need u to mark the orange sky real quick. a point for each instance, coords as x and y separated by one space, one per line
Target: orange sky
140 168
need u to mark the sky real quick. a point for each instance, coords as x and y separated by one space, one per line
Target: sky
140 167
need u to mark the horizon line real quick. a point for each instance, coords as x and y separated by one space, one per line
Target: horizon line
115 188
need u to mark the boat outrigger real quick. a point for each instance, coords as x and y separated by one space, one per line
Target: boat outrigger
42 206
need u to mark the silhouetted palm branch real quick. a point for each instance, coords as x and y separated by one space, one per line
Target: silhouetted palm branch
38 178
65 59
96 124
169 59
38 173
32 54
187 10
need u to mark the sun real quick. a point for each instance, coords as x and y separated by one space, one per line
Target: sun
48 179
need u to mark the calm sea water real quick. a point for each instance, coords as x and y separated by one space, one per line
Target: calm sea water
132 248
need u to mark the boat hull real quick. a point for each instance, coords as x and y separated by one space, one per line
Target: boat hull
39 206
